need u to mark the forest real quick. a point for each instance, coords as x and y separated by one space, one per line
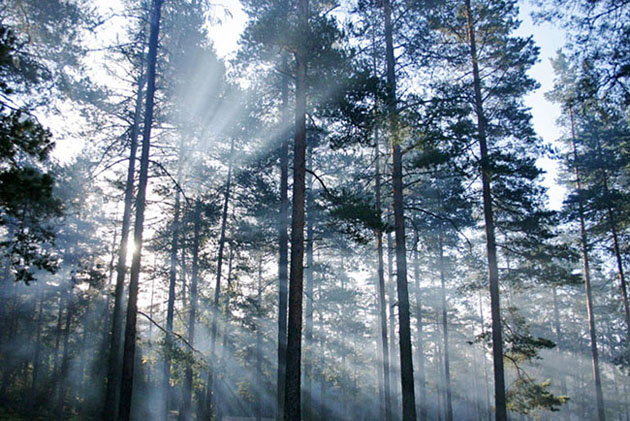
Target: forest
348 216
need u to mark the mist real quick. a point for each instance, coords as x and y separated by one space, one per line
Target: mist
345 216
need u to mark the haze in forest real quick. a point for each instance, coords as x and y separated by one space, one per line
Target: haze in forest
364 210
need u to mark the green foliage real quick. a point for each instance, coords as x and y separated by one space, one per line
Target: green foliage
355 215
27 201
525 396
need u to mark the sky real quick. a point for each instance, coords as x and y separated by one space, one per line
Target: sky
544 113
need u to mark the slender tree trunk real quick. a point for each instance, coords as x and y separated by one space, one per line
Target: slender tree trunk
380 291
210 398
485 364
170 307
308 322
55 373
491 247
182 246
440 375
419 328
447 368
283 250
192 314
65 365
292 398
322 364
151 305
474 392
126 387
406 358
587 282
37 353
343 344
259 329
559 347
394 365
112 391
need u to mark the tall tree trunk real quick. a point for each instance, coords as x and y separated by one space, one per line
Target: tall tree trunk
485 364
440 373
55 372
37 354
170 307
406 358
192 314
126 387
322 364
292 398
380 290
210 398
559 347
182 246
259 329
151 305
283 250
394 367
587 281
65 365
308 319
488 213
110 407
419 329
447 368
343 345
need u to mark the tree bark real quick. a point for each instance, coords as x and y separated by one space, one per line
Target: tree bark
488 213
126 387
292 398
